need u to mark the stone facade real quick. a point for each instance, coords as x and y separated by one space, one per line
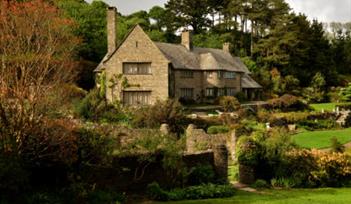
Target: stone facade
137 48
173 71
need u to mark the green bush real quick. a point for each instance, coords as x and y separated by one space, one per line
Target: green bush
284 183
170 112
260 184
201 174
264 152
95 108
287 103
229 103
218 129
204 191
312 125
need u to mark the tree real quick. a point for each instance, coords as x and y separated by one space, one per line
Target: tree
190 13
36 50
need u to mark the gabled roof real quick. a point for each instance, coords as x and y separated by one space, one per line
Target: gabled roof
196 59
248 83
201 58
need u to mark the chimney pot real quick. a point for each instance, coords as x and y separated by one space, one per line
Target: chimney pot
111 29
186 39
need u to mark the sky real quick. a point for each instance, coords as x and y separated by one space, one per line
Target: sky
323 10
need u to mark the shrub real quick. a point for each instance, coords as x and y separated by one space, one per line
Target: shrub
201 175
241 96
311 125
207 191
264 152
170 112
229 103
260 184
283 183
218 129
317 168
287 103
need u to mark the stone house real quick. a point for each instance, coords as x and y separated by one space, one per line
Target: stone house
140 71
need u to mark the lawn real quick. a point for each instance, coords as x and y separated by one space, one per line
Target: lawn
300 196
325 106
321 139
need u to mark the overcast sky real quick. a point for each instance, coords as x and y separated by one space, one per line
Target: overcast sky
323 10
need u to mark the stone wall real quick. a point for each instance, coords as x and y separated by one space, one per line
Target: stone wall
134 173
198 140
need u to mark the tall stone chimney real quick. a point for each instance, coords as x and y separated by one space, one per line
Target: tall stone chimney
111 29
226 47
186 39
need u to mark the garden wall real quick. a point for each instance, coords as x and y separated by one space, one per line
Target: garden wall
136 172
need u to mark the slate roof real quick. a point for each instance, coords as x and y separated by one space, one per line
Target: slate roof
201 58
248 83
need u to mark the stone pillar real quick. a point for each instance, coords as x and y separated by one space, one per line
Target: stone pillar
190 143
111 29
220 157
232 145
164 129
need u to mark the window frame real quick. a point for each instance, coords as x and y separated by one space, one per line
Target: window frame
187 74
229 75
210 90
138 68
146 98
186 91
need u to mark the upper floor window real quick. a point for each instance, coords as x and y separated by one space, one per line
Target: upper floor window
229 75
137 68
187 74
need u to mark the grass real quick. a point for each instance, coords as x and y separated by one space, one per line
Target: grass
321 139
300 196
325 106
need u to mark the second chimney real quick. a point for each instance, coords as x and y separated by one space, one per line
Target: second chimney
226 47
186 39
111 29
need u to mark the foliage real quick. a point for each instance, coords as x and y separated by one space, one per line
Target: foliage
287 103
283 183
217 129
33 67
203 174
260 184
264 152
94 107
229 103
318 168
345 93
170 112
315 93
204 191
312 125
